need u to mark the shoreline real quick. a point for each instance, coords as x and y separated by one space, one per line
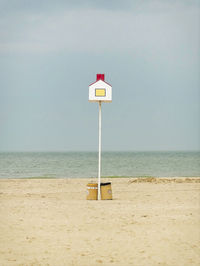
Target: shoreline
134 179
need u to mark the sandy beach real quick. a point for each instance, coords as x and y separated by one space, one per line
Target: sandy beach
148 222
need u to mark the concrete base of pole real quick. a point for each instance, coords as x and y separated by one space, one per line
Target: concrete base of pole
105 189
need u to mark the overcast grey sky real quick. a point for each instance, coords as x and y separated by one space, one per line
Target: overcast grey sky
50 51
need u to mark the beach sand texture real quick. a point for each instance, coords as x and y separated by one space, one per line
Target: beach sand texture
148 222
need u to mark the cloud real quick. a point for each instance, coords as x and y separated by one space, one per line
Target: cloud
153 29
20 7
42 6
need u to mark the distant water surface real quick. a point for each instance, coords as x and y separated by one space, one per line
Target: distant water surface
85 164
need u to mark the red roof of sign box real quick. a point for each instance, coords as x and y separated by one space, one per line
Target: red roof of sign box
100 77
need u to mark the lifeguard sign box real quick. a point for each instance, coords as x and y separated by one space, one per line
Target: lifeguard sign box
100 91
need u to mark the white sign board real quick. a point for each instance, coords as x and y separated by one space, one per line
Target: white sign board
100 91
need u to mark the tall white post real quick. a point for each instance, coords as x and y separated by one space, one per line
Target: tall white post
99 171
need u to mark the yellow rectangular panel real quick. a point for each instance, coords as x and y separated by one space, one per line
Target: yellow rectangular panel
100 92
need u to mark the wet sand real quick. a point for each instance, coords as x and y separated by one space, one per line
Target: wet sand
148 222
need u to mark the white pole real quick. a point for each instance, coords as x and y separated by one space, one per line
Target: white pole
99 171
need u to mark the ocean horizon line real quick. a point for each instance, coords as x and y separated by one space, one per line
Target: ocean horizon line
92 151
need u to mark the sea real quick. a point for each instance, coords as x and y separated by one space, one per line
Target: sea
85 164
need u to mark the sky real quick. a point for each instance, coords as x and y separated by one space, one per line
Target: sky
50 51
